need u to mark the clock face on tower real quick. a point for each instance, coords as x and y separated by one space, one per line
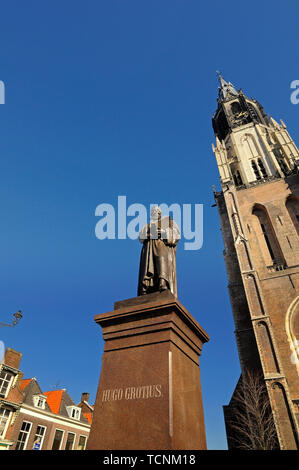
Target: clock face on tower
240 118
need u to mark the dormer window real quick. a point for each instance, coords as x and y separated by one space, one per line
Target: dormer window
39 401
74 412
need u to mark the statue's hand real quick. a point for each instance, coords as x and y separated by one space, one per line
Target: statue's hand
163 234
143 234
170 237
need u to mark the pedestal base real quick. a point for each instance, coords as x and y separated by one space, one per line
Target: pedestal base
149 394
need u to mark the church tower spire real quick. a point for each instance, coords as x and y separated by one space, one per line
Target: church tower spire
225 89
250 146
258 206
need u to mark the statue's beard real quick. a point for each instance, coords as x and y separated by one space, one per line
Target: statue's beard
156 216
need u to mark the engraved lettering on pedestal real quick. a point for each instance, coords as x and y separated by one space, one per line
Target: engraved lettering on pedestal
132 393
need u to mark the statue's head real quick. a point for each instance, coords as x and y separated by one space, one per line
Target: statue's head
156 213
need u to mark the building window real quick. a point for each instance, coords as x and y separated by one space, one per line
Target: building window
235 107
235 172
253 112
5 382
283 166
220 125
292 205
255 170
39 401
259 169
82 443
262 168
4 418
70 441
23 435
39 437
250 146
57 439
237 178
281 161
267 238
268 242
74 412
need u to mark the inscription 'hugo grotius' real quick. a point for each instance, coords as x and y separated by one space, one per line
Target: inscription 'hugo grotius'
132 393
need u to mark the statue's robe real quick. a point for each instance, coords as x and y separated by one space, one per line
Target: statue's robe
158 256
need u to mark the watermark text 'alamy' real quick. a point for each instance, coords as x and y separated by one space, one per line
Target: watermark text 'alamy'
2 92
131 219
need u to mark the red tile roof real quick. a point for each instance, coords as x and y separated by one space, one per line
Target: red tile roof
54 400
24 383
88 416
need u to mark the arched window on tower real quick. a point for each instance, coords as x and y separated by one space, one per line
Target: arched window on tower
255 170
250 146
281 161
267 239
236 175
262 168
235 107
292 205
254 112
238 178
220 125
259 169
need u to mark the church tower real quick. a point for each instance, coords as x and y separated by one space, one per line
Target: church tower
258 206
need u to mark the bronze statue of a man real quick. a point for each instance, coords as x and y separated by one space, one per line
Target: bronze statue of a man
157 269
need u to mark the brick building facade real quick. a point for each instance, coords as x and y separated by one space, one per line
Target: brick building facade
11 396
259 213
32 419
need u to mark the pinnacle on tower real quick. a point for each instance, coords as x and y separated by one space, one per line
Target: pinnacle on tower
225 88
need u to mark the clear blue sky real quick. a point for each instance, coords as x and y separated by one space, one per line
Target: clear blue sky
108 98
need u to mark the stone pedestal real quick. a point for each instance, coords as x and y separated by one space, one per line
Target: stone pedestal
149 395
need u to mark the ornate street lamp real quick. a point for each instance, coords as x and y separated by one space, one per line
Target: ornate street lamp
16 318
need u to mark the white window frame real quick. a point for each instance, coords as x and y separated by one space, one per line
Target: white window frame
43 436
9 382
2 435
39 398
75 410
27 432
74 434
62 430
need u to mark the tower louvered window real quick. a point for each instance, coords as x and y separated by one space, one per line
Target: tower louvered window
255 169
281 162
262 168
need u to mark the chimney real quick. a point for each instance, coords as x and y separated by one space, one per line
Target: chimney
85 397
12 358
